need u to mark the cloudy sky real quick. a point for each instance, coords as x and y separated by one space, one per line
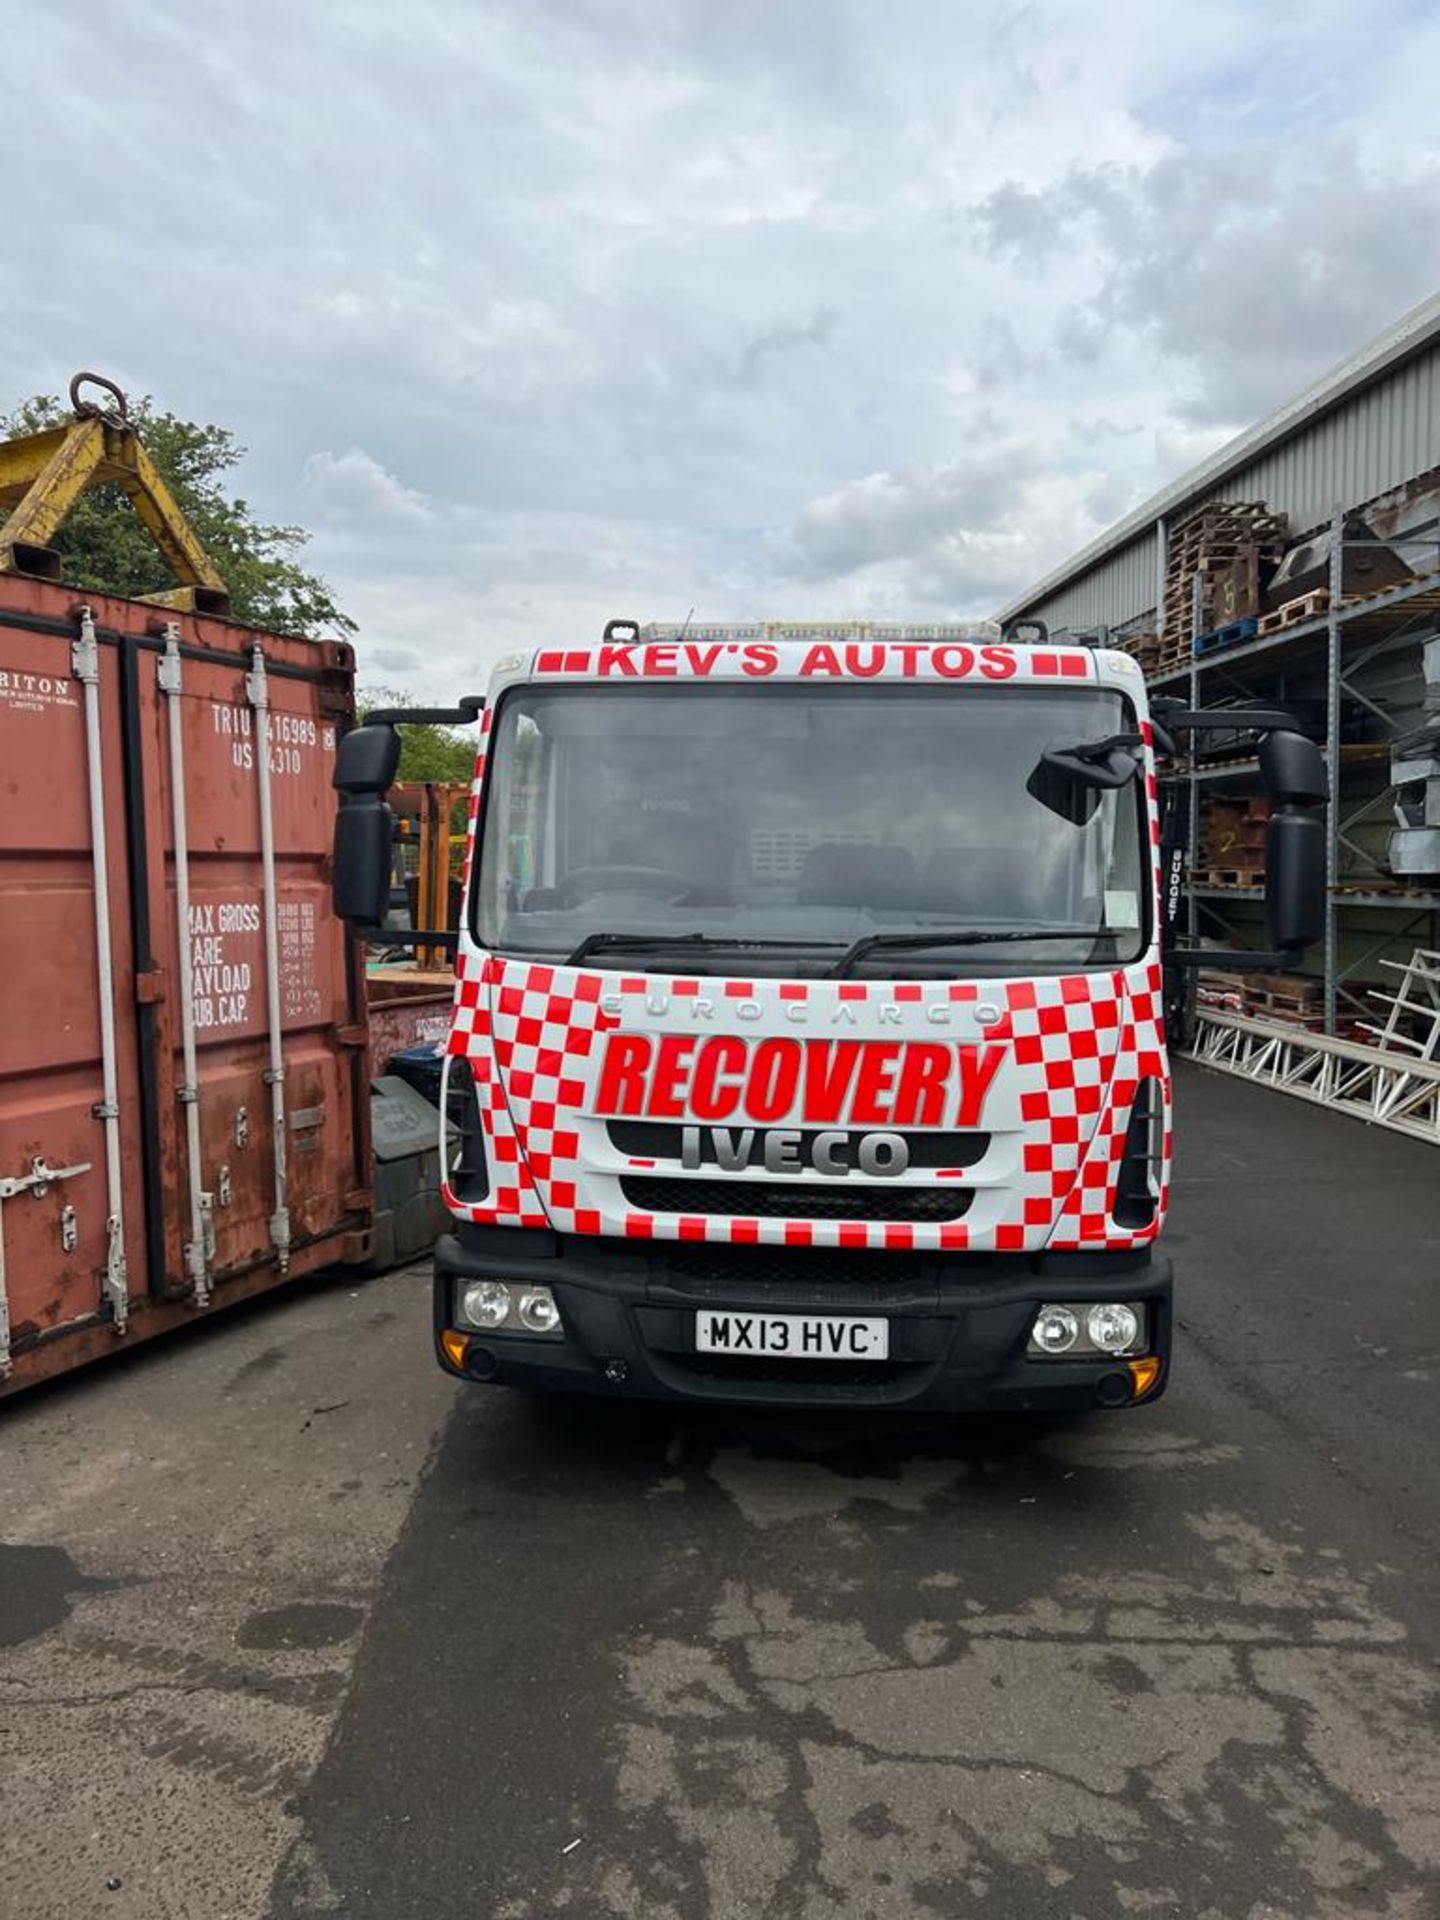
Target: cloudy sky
543 311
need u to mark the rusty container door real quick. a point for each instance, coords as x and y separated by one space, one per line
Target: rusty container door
68 1239
183 1092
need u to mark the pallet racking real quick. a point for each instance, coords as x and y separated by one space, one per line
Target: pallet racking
1345 639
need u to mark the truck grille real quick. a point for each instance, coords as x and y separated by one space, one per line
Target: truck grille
794 1199
799 1277
660 1140
783 1266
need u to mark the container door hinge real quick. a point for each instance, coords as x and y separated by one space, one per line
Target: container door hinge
69 1230
224 1191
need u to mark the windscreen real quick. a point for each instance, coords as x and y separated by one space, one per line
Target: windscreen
805 818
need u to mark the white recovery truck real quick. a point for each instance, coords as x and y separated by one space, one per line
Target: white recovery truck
809 1041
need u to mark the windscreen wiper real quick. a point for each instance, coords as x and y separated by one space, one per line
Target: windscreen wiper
608 942
954 937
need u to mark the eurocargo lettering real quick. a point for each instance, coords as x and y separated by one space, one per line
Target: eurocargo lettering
814 991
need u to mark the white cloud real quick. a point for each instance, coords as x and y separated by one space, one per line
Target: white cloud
543 311
896 516
352 489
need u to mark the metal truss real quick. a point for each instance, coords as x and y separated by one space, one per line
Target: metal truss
1389 1089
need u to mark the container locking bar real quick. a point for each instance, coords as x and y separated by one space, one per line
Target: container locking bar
85 665
198 1246
257 691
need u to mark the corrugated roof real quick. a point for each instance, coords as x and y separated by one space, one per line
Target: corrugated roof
1410 335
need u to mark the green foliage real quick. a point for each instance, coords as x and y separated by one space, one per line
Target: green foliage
105 546
426 753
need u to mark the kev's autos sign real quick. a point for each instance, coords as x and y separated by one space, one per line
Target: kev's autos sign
824 660
718 1078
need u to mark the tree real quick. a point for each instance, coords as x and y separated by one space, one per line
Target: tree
104 545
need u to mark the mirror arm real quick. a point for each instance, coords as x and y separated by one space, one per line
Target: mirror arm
395 937
1174 716
464 714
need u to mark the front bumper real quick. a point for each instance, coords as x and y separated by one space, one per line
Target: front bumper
959 1323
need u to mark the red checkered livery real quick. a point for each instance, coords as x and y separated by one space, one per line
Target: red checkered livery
1077 1048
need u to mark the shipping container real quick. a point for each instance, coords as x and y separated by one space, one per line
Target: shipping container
184 1082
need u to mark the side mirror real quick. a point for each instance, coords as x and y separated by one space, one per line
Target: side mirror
1070 780
366 760
1295 880
360 870
1292 769
365 765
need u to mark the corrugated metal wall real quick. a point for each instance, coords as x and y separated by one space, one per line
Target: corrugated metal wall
1121 587
1373 441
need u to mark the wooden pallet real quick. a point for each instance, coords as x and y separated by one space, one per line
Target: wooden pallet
1168 660
1217 540
1306 1006
1305 606
1221 513
1141 647
1228 877
1297 985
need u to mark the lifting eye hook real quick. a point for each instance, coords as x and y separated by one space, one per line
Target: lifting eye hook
116 416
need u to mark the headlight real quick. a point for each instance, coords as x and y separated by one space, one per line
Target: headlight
1113 1328
1089 1330
1056 1330
485 1303
501 1306
538 1310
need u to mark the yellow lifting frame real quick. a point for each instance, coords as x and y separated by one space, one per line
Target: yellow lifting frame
43 475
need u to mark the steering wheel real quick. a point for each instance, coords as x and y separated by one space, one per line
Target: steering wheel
583 883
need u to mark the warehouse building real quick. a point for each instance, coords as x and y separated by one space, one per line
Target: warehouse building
1301 563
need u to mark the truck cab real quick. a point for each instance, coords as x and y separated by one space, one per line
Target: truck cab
809 1035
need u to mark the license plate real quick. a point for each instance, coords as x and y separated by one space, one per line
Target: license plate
792 1336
